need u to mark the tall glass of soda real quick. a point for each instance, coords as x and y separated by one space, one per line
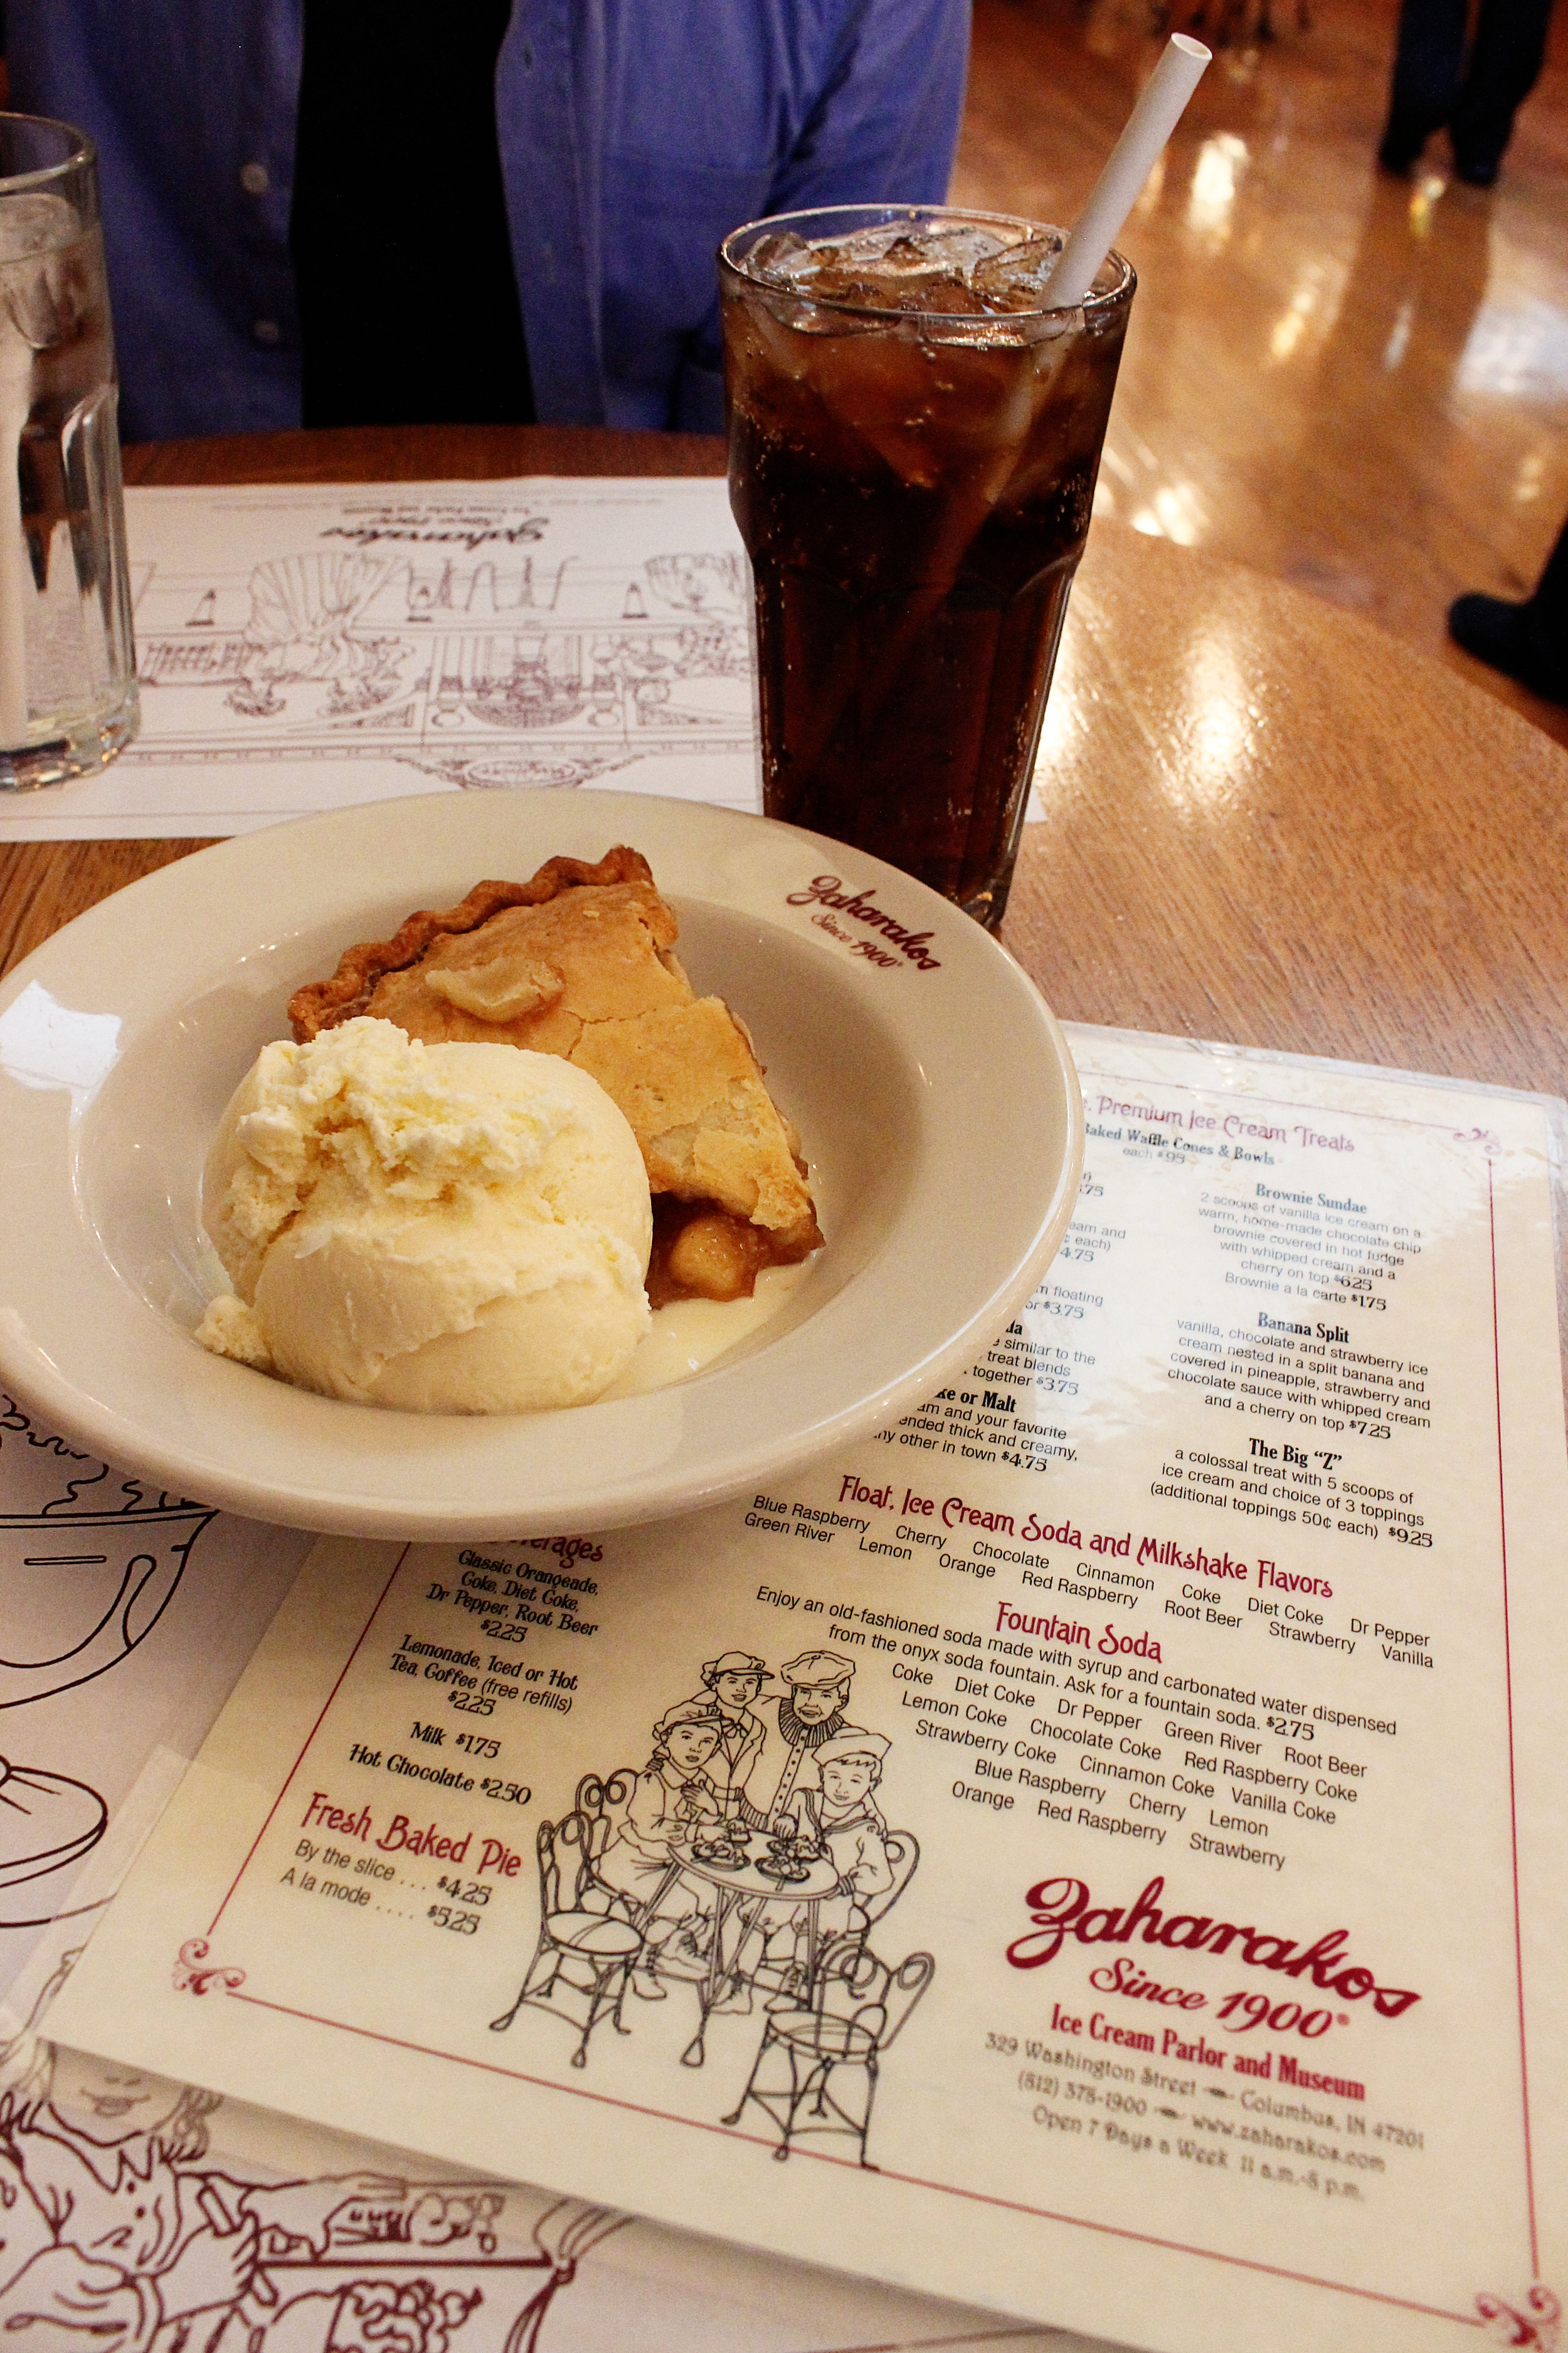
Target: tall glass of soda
914 438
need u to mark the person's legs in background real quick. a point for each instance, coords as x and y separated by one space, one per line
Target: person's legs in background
1505 61
1434 86
1527 641
1427 65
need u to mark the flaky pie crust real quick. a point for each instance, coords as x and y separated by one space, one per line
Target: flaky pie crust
579 961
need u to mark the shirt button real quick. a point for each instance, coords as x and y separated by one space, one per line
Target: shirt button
255 179
267 330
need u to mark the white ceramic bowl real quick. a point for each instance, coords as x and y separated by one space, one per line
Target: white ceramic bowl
934 1091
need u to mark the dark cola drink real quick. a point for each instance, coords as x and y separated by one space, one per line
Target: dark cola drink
913 445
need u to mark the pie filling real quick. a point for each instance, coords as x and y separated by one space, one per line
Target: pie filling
580 961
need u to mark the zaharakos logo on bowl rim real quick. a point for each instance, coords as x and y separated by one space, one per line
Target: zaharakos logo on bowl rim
825 891
1061 1908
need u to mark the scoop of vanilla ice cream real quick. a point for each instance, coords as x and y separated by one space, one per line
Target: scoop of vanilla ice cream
459 1228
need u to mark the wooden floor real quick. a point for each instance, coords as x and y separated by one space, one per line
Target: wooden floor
1353 383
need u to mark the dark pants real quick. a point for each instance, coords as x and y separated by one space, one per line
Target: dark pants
1432 85
1549 605
1528 641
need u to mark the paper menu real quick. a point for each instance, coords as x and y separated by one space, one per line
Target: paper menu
1163 1942
356 2245
306 646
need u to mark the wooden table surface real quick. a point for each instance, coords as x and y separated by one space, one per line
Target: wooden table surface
1268 823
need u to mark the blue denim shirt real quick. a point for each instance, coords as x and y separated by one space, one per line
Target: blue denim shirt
632 136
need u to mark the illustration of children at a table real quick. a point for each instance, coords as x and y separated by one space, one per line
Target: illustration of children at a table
790 1767
670 1801
813 1708
842 1814
835 1813
746 1866
729 1687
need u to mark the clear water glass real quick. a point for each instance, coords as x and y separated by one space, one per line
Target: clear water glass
67 665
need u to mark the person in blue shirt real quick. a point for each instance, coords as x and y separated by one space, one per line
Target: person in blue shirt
372 211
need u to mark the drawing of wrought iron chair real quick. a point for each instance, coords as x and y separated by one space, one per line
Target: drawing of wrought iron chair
903 1857
815 2074
688 1956
587 1944
604 1801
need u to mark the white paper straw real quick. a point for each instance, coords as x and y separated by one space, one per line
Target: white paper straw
1150 124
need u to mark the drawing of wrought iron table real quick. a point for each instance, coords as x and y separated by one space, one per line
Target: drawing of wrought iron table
744 1889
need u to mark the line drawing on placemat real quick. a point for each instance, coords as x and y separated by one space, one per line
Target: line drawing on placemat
87 1570
489 668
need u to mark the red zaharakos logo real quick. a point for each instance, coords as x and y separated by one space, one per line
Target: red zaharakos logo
1060 1908
827 890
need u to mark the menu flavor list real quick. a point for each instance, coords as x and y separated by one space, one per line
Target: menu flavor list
1091 1850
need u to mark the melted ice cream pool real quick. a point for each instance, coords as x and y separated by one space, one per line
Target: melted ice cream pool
690 1334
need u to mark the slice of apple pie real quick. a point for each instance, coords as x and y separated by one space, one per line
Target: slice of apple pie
580 962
